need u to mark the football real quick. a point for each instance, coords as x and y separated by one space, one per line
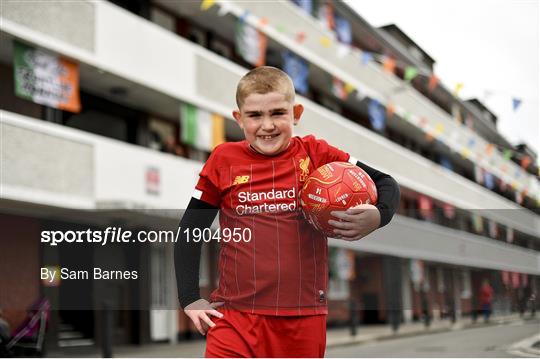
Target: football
335 186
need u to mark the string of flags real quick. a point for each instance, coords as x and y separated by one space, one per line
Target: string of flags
251 44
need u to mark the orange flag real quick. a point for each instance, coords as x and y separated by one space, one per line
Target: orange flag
389 64
433 82
525 161
390 110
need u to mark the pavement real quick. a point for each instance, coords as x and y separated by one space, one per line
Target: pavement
336 337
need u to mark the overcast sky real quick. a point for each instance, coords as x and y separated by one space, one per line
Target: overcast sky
488 45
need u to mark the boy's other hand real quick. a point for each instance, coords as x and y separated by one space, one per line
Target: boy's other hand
356 222
199 312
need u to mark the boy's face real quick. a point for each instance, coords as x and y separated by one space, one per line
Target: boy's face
267 121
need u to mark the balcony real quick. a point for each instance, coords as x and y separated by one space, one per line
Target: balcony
171 69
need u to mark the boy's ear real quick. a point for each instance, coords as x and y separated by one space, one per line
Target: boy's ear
298 109
238 118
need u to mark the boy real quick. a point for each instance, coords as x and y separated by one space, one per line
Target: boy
272 288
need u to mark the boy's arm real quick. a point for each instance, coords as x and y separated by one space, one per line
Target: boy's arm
187 255
357 222
387 192
187 258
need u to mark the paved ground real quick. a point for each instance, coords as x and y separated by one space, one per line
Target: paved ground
491 341
441 339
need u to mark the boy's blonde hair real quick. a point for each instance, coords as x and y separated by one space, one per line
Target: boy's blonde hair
262 80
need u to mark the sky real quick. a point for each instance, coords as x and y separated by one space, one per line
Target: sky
491 46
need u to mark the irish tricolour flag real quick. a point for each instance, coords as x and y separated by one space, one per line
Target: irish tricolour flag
45 78
201 129
250 43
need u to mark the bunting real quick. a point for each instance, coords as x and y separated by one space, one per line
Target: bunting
433 82
457 89
525 161
306 5
389 64
376 113
207 4
516 102
367 57
410 73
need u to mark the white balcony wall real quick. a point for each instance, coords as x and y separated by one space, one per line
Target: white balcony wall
410 238
147 55
54 165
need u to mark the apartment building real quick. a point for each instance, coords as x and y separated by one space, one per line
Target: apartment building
122 157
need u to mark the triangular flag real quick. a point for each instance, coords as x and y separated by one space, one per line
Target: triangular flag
489 149
507 154
367 57
207 4
390 110
525 161
349 88
439 128
457 89
423 122
515 103
263 21
325 41
281 28
471 142
433 82
300 37
389 64
410 73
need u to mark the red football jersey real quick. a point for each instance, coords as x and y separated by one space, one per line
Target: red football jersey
283 269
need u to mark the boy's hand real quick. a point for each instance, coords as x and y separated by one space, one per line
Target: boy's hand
356 222
199 312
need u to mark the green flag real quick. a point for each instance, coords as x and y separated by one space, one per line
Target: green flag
188 121
410 73
507 154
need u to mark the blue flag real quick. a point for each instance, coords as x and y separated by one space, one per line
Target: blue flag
515 103
445 162
367 57
489 181
297 68
376 114
343 30
306 5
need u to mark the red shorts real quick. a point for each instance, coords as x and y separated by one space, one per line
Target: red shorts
242 335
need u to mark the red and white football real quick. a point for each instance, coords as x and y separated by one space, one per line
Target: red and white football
335 186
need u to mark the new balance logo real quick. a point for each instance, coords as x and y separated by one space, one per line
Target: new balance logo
240 180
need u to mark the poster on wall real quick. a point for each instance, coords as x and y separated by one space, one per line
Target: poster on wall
45 78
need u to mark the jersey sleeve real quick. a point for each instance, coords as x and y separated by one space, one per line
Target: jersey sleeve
207 188
322 153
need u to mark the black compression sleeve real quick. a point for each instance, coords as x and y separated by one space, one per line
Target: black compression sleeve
187 255
387 192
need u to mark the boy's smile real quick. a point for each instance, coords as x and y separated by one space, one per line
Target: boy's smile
267 121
